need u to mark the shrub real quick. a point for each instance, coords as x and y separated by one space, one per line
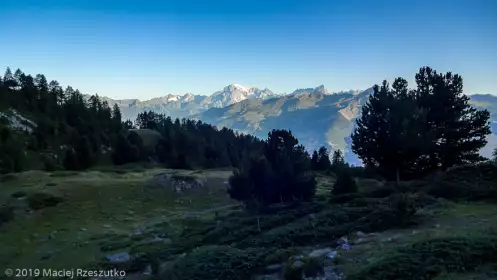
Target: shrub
467 182
345 183
428 258
8 177
280 255
19 194
291 272
42 200
215 262
313 267
344 198
6 214
307 267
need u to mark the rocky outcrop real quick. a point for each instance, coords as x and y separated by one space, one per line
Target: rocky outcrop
179 183
17 121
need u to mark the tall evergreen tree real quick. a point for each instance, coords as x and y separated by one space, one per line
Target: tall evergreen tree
410 133
460 130
324 162
315 161
280 175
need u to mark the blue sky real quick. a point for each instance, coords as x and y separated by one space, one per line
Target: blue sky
143 49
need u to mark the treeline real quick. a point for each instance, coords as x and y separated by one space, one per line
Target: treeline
184 144
402 134
72 131
68 131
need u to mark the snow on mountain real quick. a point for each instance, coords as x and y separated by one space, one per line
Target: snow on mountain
320 89
235 93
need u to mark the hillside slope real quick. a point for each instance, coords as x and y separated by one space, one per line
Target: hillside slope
314 117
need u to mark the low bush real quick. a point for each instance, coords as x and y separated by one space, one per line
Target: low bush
306 231
428 258
19 194
344 198
6 214
7 177
313 267
280 255
345 183
302 269
42 200
215 262
467 182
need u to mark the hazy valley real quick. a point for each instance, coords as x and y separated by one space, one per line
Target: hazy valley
316 116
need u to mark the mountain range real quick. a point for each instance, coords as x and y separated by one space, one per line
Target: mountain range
314 115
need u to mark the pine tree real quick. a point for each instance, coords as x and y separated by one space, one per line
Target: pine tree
403 133
459 129
116 118
324 162
84 152
281 174
8 79
338 159
70 160
315 161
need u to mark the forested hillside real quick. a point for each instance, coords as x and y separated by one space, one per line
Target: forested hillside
45 126
64 130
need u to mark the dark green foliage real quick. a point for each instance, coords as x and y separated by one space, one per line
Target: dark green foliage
84 153
428 258
321 160
292 272
71 160
315 161
338 161
313 267
6 214
11 151
468 182
8 177
124 152
494 156
280 255
215 262
344 198
64 120
344 183
406 133
281 174
189 144
40 200
19 194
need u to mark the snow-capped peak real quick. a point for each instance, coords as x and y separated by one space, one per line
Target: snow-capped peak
240 87
172 98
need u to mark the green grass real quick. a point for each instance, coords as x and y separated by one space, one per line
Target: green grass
95 203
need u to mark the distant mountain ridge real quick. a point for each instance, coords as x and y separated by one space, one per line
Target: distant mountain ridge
190 104
316 116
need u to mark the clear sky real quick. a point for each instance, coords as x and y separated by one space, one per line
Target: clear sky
143 49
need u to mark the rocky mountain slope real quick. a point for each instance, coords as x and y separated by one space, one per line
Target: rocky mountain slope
314 115
179 106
